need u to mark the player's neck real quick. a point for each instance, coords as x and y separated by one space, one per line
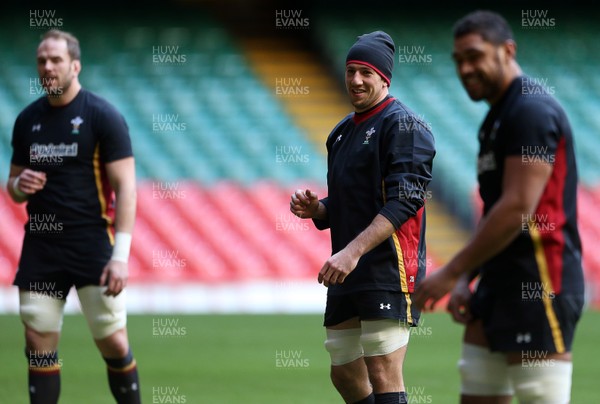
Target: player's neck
513 71
67 96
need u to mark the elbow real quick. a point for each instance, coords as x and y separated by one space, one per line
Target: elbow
126 192
132 196
519 213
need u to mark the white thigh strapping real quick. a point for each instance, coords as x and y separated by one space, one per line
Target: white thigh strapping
41 313
547 381
382 337
483 373
343 345
104 314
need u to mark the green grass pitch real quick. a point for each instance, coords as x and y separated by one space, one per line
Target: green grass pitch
254 359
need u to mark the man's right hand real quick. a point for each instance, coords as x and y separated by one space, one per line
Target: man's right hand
458 304
304 204
31 181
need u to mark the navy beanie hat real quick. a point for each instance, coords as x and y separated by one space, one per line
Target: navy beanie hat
375 50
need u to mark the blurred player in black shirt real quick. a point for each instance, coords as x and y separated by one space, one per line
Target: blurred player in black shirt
379 165
521 319
73 165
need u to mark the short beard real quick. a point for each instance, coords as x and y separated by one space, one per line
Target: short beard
58 91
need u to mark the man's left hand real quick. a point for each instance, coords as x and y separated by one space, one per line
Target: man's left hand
114 276
433 288
337 268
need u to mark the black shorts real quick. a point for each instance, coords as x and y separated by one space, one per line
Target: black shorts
530 320
369 305
51 266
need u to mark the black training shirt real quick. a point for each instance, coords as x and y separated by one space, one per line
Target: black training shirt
71 144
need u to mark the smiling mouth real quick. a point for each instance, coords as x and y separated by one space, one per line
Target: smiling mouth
48 81
471 80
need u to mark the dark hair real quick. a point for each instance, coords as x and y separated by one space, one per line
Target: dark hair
490 25
72 42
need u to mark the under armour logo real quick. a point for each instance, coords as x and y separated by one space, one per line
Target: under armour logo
385 306
524 338
133 387
36 128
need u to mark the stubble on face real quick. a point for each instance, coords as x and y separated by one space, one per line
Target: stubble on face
364 86
480 66
58 78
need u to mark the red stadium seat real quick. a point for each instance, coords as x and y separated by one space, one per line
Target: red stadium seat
199 214
231 233
13 217
175 258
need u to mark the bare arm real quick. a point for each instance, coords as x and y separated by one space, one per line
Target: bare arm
121 175
341 264
306 204
23 182
522 188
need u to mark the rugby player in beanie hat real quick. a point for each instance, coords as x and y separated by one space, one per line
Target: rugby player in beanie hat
368 312
375 50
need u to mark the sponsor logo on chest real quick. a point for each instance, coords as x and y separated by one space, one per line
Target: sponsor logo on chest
51 153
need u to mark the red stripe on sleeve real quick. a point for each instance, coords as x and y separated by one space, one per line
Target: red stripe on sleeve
409 235
551 208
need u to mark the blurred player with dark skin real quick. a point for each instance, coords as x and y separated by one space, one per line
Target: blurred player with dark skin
521 318
379 163
71 149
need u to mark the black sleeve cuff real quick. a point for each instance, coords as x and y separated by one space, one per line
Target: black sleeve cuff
322 224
